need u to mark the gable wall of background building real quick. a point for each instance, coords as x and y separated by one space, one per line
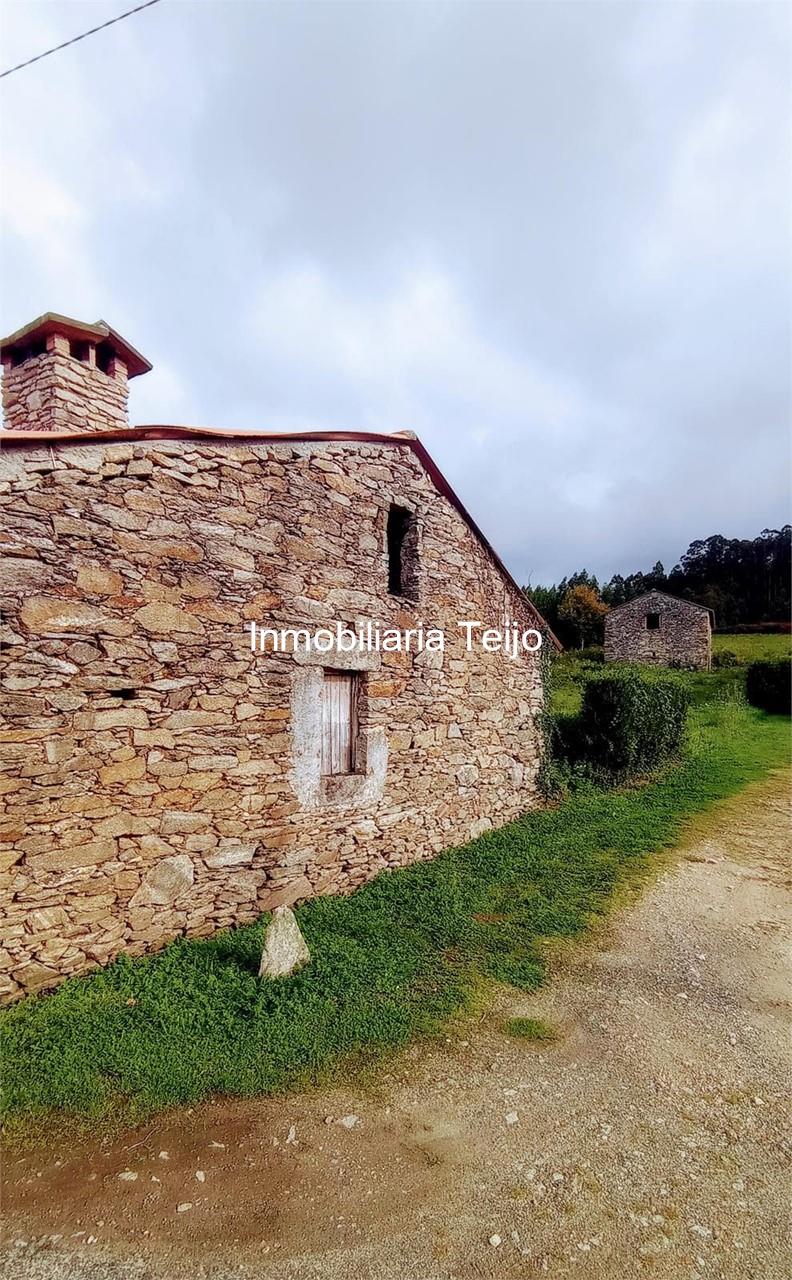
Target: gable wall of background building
683 637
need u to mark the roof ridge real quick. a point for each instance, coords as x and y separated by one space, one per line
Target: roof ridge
656 591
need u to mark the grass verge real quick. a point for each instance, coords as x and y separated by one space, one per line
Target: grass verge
392 962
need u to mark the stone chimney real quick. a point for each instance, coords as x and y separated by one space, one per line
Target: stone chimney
63 375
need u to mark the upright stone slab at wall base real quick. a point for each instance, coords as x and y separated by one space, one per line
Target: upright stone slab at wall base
285 948
159 777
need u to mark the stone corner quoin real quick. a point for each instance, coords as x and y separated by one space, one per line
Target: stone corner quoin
162 779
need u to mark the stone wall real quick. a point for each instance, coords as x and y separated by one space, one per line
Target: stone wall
682 639
57 392
160 778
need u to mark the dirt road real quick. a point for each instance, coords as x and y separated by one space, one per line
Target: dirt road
650 1140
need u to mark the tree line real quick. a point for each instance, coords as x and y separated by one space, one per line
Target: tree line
745 581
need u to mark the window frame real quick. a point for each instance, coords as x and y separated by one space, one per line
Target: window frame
332 766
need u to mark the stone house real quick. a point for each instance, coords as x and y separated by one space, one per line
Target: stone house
161 775
658 629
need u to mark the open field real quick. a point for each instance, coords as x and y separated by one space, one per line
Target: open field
390 963
570 671
753 648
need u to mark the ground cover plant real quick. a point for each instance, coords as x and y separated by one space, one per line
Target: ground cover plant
391 962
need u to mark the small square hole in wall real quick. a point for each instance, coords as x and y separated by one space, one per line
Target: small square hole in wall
79 351
125 694
653 622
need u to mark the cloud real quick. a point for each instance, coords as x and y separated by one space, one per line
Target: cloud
162 398
400 350
727 179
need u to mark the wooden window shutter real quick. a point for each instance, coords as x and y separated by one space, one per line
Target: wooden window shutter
339 722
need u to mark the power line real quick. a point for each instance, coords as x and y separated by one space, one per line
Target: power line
75 39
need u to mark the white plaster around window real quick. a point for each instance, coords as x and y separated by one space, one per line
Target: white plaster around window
361 789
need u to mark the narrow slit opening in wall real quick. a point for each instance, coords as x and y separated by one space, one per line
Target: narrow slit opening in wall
126 694
402 552
104 355
340 696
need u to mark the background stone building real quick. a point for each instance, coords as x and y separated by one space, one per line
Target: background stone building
656 628
159 777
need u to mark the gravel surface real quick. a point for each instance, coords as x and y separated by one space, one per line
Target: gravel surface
651 1139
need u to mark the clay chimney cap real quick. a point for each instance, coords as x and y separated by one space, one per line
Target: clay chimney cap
50 322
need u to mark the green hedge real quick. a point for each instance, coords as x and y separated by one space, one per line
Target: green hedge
591 653
629 722
723 658
768 685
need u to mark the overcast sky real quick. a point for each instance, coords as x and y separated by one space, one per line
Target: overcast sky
552 239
